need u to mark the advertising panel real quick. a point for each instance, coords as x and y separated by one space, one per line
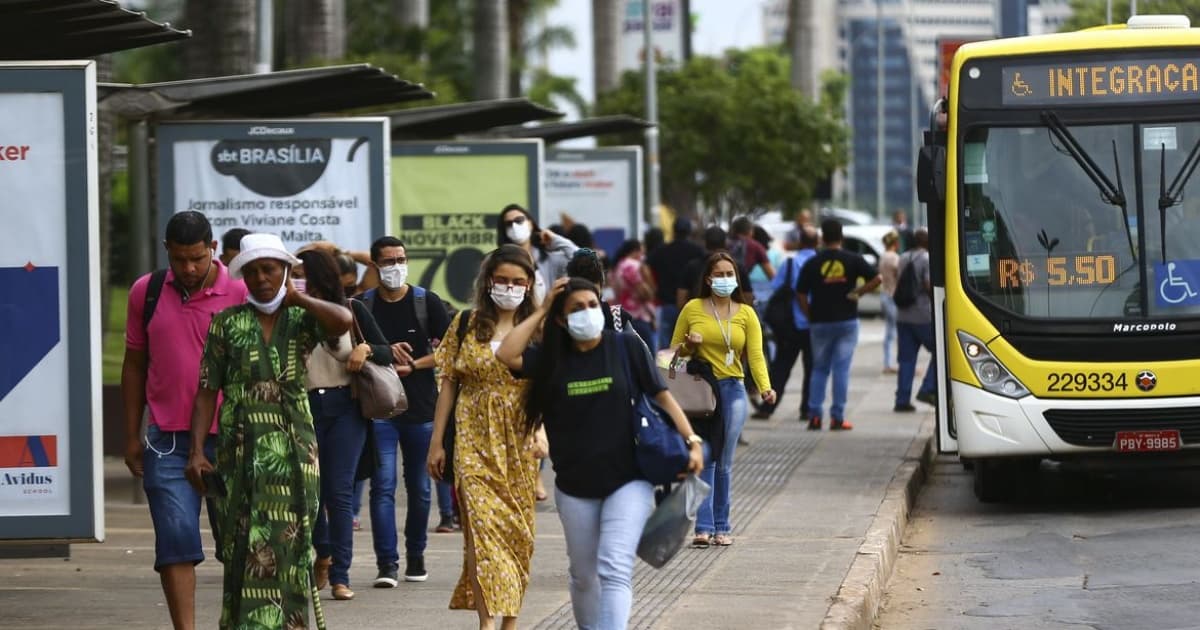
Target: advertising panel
51 484
668 21
599 188
446 199
305 180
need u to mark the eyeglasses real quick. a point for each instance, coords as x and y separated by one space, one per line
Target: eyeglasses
516 221
509 283
388 262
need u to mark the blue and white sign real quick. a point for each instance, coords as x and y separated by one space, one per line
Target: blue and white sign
51 483
1177 284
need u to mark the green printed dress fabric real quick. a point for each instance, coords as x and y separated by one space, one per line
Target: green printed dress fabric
267 455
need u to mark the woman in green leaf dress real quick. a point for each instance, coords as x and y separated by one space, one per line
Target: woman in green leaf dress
255 357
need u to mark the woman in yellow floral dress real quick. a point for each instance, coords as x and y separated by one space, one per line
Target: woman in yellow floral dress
495 466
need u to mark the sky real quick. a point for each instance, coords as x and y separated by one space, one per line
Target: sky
720 24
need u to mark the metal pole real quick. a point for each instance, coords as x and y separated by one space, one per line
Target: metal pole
1108 12
1132 8
266 37
652 168
139 198
879 135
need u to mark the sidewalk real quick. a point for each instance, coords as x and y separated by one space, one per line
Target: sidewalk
803 502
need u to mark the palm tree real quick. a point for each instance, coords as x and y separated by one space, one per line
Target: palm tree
223 37
491 49
529 38
411 13
606 39
316 30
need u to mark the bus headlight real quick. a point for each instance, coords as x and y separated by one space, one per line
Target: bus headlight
991 373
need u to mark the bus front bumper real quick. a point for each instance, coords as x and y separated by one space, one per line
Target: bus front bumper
989 425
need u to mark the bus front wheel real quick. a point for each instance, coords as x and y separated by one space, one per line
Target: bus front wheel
999 480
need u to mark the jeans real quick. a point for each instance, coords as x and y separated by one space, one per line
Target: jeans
789 346
718 472
889 327
341 433
912 337
413 440
174 504
667 314
602 538
833 348
445 499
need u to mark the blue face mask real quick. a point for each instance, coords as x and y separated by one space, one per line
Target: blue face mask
724 287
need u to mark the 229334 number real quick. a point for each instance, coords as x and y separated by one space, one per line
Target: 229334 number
1085 382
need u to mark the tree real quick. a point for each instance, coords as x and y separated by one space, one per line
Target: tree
606 43
1088 13
412 13
736 135
490 53
223 37
316 30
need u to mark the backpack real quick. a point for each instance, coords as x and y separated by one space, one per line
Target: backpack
420 304
153 292
616 315
779 314
908 287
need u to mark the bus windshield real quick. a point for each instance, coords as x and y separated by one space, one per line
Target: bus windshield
1052 227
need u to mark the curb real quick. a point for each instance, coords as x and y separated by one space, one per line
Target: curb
858 598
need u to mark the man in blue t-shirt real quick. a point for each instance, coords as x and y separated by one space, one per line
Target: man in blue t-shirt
828 294
794 343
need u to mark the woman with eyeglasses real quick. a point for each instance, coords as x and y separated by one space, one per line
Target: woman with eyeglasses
550 252
495 456
718 327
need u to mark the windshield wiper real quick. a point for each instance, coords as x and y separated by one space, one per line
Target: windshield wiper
1173 196
1112 194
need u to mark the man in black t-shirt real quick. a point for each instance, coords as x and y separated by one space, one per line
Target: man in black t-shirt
413 320
828 293
668 264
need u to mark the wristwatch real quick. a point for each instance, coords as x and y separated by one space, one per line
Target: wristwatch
694 439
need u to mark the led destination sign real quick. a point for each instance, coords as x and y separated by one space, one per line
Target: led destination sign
1081 270
1128 81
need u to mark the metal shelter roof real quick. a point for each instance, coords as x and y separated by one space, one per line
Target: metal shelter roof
557 131
274 94
32 30
446 121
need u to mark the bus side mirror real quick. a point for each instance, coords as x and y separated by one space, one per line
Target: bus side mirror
931 175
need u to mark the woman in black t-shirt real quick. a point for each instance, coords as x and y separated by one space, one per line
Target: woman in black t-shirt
577 382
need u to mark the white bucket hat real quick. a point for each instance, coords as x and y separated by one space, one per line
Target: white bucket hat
255 246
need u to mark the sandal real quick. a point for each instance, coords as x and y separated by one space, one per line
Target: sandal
702 541
722 540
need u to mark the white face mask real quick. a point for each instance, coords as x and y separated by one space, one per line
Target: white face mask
586 325
519 233
393 276
508 299
299 284
269 308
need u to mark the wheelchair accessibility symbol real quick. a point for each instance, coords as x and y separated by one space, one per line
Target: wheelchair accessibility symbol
1019 87
1179 283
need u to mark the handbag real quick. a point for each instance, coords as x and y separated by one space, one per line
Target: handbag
694 395
671 522
659 450
464 320
378 388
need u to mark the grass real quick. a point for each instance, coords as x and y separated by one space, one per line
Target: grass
114 336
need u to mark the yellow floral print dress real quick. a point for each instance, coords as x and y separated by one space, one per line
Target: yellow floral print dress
495 475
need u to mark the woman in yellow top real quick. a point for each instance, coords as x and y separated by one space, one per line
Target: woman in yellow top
717 328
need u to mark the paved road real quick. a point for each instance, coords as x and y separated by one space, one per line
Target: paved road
1112 552
802 504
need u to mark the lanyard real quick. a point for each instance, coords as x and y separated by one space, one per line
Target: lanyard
727 335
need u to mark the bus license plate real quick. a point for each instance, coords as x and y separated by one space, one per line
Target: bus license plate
1148 441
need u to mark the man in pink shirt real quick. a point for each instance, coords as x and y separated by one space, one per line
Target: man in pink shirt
162 371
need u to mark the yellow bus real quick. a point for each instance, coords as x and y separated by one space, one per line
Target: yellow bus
1059 177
